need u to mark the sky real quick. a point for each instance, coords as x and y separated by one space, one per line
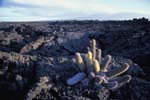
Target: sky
45 10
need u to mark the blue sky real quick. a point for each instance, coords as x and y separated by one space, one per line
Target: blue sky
39 10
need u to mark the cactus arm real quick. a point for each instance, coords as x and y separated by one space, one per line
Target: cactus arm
98 79
93 48
99 55
80 62
117 71
111 85
73 60
85 82
77 78
88 49
124 79
105 63
96 66
91 75
89 61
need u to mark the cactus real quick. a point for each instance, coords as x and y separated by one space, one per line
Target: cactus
111 85
75 79
91 75
96 65
89 65
80 62
89 61
98 79
106 62
125 78
93 48
99 55
121 80
118 71
85 82
88 49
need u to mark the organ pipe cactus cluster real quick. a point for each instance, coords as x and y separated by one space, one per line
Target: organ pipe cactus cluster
93 68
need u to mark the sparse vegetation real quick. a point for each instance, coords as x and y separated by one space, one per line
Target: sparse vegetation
93 68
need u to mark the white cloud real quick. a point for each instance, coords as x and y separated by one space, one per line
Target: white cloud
69 9
72 5
88 6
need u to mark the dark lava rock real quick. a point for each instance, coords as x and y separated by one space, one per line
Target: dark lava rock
133 44
31 51
57 45
16 76
59 91
137 89
10 41
61 72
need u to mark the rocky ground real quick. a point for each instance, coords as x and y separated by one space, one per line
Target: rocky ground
36 58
